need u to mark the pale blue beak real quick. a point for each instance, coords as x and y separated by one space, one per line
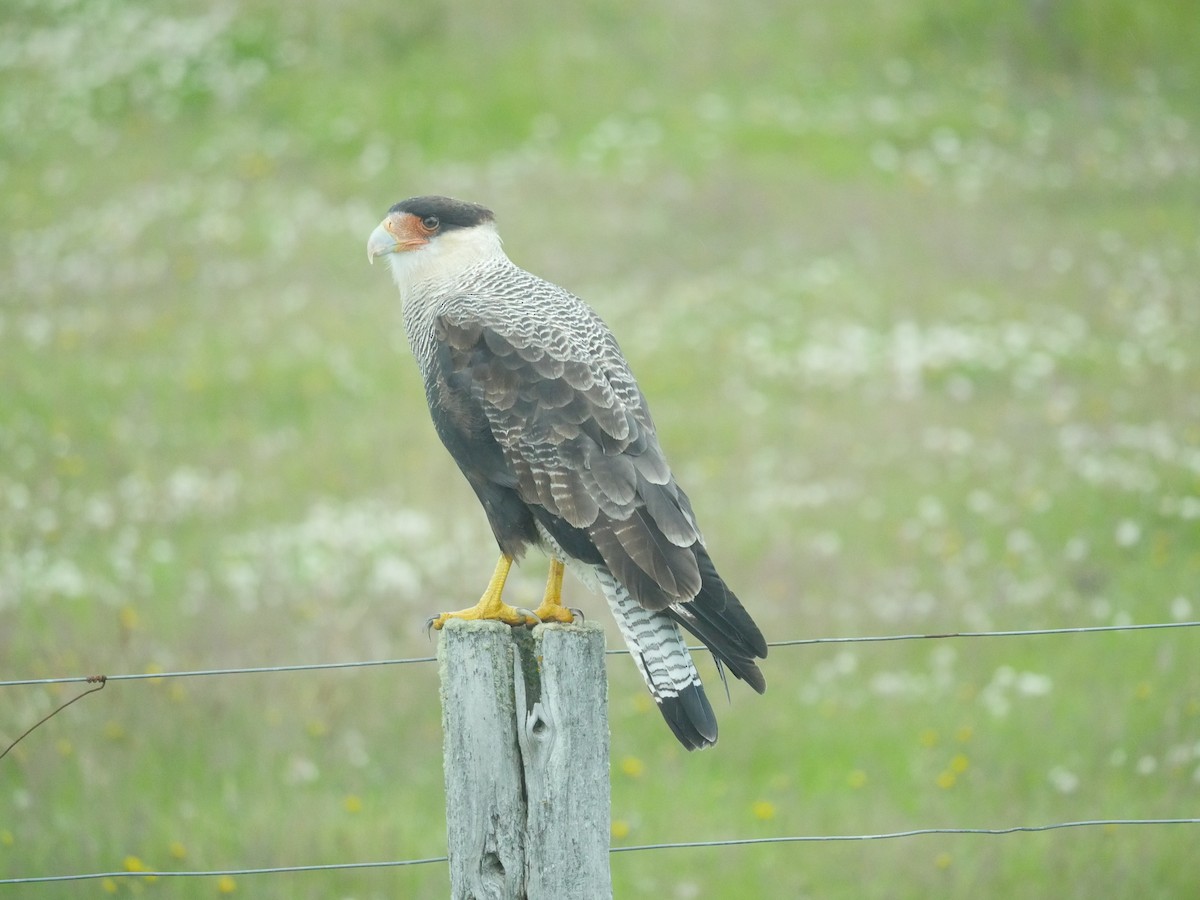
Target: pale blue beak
381 242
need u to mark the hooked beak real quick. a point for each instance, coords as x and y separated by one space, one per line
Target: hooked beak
399 231
382 241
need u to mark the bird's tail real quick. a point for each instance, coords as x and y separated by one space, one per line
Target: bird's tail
717 617
662 657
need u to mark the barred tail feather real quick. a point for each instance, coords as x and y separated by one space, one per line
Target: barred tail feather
662 657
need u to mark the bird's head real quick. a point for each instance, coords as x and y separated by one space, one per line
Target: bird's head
424 232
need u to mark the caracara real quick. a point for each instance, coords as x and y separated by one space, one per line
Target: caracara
534 400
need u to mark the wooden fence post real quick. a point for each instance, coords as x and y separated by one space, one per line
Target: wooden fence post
525 723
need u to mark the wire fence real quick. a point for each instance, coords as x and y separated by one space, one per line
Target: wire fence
100 680
681 845
798 642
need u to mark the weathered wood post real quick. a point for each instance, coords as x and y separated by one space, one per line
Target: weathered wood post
525 724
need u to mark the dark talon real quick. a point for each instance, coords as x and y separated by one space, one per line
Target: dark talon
429 627
578 614
528 614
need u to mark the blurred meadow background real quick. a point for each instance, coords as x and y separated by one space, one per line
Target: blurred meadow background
913 289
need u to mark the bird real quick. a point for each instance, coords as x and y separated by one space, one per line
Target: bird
531 395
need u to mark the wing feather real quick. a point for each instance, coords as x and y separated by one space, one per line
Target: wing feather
673 568
614 475
663 506
579 440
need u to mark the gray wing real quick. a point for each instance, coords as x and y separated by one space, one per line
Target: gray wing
576 433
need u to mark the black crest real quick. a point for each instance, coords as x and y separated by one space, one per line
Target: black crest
451 213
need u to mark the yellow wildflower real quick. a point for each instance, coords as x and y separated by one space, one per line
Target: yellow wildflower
763 809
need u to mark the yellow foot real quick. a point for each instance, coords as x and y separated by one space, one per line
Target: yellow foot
499 612
492 608
556 613
552 609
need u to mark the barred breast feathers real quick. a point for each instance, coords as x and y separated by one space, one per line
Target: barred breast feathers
527 311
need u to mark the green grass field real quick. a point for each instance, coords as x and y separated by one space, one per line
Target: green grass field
914 292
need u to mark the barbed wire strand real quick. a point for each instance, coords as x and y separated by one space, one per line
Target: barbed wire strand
678 845
915 832
1080 629
799 642
309 667
250 670
226 873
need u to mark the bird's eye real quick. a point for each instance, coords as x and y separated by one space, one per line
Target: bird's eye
431 223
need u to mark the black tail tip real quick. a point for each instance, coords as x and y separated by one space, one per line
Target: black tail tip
690 717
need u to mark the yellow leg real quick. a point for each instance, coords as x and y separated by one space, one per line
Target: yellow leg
490 606
552 609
